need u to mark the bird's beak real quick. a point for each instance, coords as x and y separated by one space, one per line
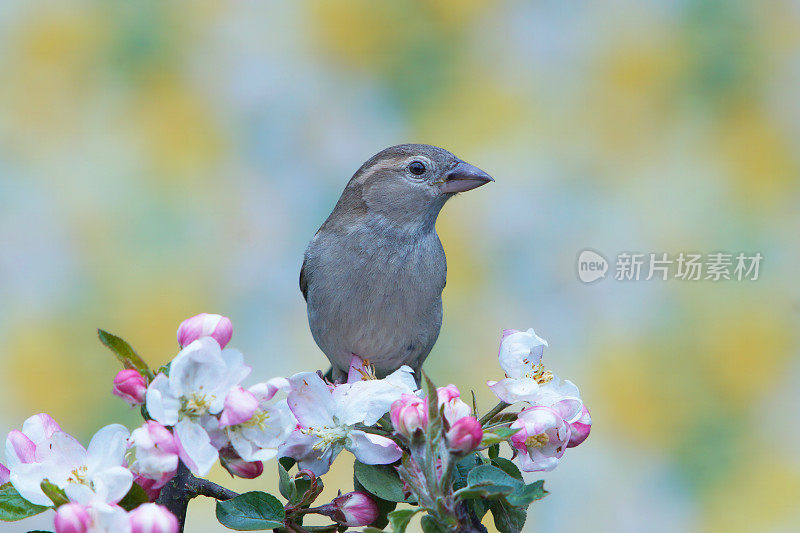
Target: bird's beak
464 177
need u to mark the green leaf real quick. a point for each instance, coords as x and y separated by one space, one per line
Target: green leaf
127 356
251 511
400 518
370 529
135 497
508 467
285 483
384 506
380 480
287 462
507 518
54 492
494 451
14 507
430 525
433 401
523 496
504 432
491 475
462 468
497 435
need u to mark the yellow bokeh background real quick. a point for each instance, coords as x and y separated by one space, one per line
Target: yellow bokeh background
160 159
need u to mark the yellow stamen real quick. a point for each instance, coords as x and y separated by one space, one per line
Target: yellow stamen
537 441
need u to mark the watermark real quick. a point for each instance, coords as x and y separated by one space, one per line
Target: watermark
684 266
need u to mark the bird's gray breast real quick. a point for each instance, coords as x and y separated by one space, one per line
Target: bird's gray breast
375 296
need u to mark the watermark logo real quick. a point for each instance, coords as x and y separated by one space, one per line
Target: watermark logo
591 266
684 266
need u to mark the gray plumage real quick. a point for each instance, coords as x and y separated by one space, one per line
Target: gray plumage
374 272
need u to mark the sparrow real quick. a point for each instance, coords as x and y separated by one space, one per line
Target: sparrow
373 274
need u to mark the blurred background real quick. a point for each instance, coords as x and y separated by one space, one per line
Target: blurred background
160 159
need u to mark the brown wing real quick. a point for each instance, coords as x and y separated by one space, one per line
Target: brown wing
303 282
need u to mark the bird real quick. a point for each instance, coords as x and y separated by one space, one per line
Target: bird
374 272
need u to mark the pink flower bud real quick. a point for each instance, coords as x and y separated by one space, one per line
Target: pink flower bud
409 414
152 518
130 385
205 325
5 474
240 405
448 393
465 435
354 509
21 446
236 466
454 407
580 428
72 518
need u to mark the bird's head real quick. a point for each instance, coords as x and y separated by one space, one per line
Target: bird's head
408 184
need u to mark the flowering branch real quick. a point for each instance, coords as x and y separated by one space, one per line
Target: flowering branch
422 448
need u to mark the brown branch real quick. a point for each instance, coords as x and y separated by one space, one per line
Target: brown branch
183 487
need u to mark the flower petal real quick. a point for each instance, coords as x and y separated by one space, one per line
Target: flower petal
107 448
197 368
40 427
194 446
162 404
19 449
64 451
372 449
112 484
512 390
264 392
310 400
27 479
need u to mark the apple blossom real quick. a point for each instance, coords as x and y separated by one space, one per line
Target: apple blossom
454 407
217 327
130 385
152 518
153 453
527 380
542 438
326 424
236 466
72 518
353 509
200 377
579 430
409 414
258 437
85 475
465 435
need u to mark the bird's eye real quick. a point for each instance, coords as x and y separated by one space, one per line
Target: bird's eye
416 168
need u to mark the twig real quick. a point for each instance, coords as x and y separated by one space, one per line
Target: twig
495 410
183 487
